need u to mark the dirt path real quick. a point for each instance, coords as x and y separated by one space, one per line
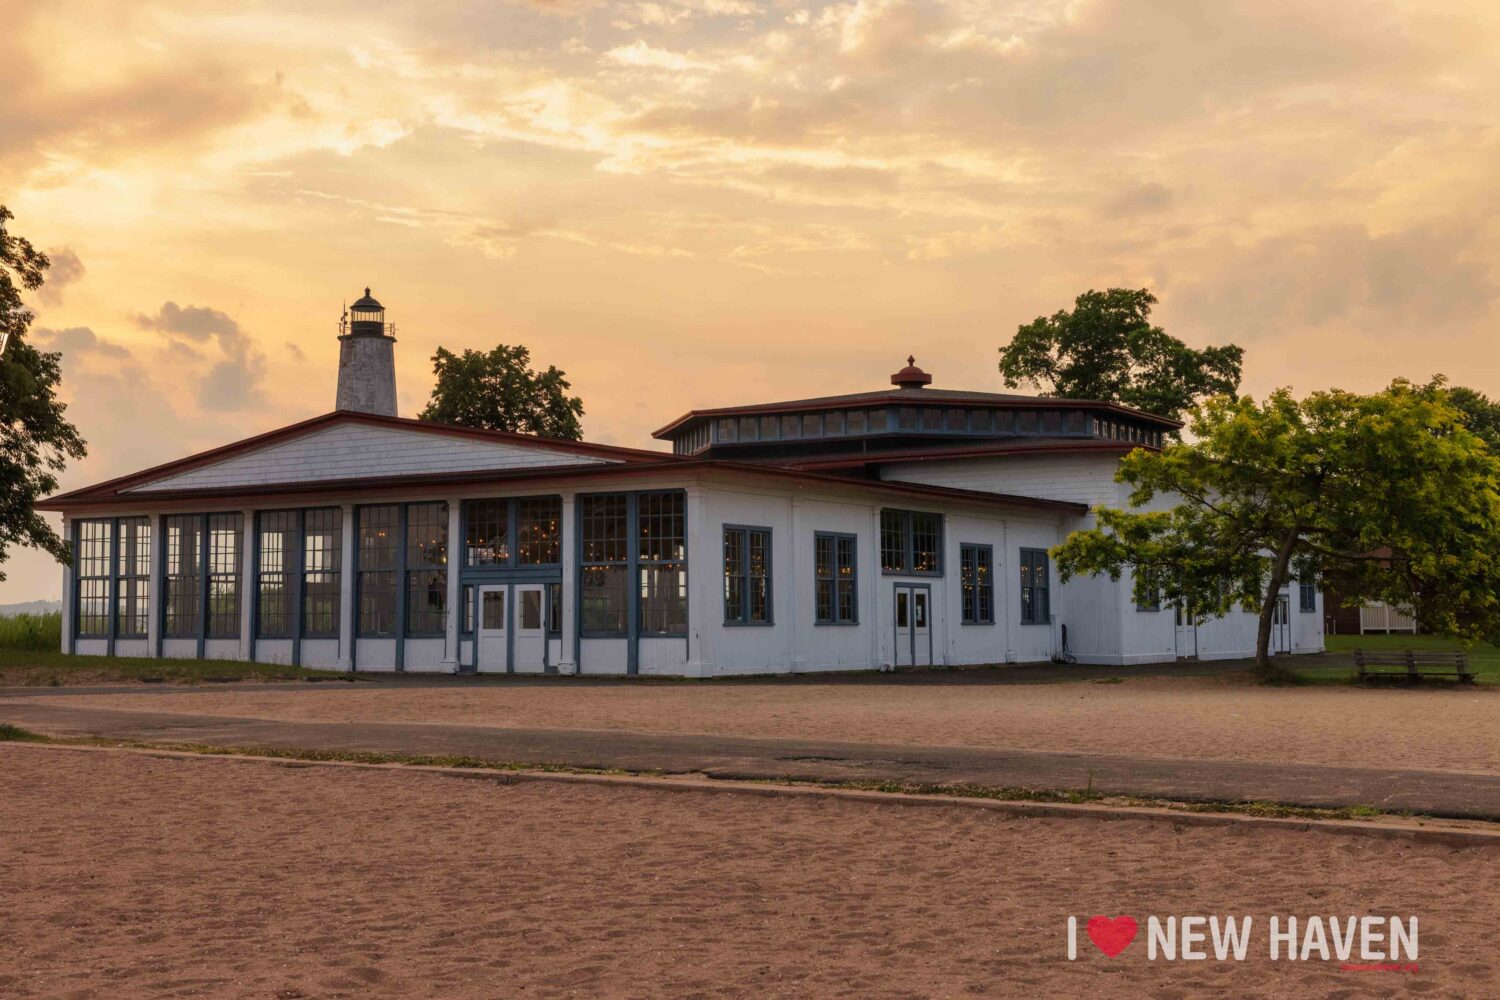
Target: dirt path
1196 718
129 877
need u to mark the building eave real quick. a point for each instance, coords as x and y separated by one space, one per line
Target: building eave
375 488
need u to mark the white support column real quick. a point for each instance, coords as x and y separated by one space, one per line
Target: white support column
69 578
704 599
952 588
792 606
248 586
154 588
455 566
875 601
346 588
567 663
1009 610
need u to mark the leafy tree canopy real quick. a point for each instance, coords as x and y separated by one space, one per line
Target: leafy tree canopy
35 438
499 391
1106 348
1391 491
1481 414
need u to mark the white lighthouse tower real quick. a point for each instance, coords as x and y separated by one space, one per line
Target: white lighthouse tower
367 359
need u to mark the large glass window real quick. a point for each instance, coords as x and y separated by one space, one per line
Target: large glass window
94 540
911 542
277 545
426 568
1147 591
747 576
834 578
322 572
134 571
604 546
1035 587
486 527
224 534
378 528
661 562
976 574
538 531
183 584
1307 596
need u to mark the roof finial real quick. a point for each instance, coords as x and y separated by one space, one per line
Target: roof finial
367 289
911 377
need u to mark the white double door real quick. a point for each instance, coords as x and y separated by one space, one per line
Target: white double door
512 629
1281 625
913 625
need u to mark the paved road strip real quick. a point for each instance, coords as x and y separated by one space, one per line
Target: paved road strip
1434 793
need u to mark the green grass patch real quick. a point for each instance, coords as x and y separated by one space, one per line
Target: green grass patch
1337 665
50 668
15 734
33 632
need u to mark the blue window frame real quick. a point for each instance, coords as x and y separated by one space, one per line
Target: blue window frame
747 575
632 579
976 571
911 542
1147 590
835 579
91 607
1036 600
1307 596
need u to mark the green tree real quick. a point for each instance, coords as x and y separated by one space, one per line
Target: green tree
1391 491
499 391
35 439
1481 414
1106 348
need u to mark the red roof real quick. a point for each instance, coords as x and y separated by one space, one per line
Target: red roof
114 487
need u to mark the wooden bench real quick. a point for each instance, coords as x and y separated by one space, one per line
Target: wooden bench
1413 665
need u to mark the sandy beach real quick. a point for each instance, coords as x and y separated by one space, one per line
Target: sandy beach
131 876
1201 718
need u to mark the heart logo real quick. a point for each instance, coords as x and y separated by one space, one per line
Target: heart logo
1112 936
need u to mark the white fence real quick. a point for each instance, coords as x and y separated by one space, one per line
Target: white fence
1380 617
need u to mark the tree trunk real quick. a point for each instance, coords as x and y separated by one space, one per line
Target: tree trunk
1268 606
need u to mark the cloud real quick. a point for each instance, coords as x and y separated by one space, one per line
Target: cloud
66 269
194 322
1138 199
78 341
235 381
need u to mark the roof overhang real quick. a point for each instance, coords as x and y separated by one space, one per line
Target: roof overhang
678 472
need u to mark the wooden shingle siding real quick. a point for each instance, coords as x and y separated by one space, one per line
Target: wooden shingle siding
354 451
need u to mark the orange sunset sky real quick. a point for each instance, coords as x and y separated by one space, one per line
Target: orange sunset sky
719 201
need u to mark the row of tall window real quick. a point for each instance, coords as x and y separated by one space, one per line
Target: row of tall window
1119 430
747 572
403 553
885 420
